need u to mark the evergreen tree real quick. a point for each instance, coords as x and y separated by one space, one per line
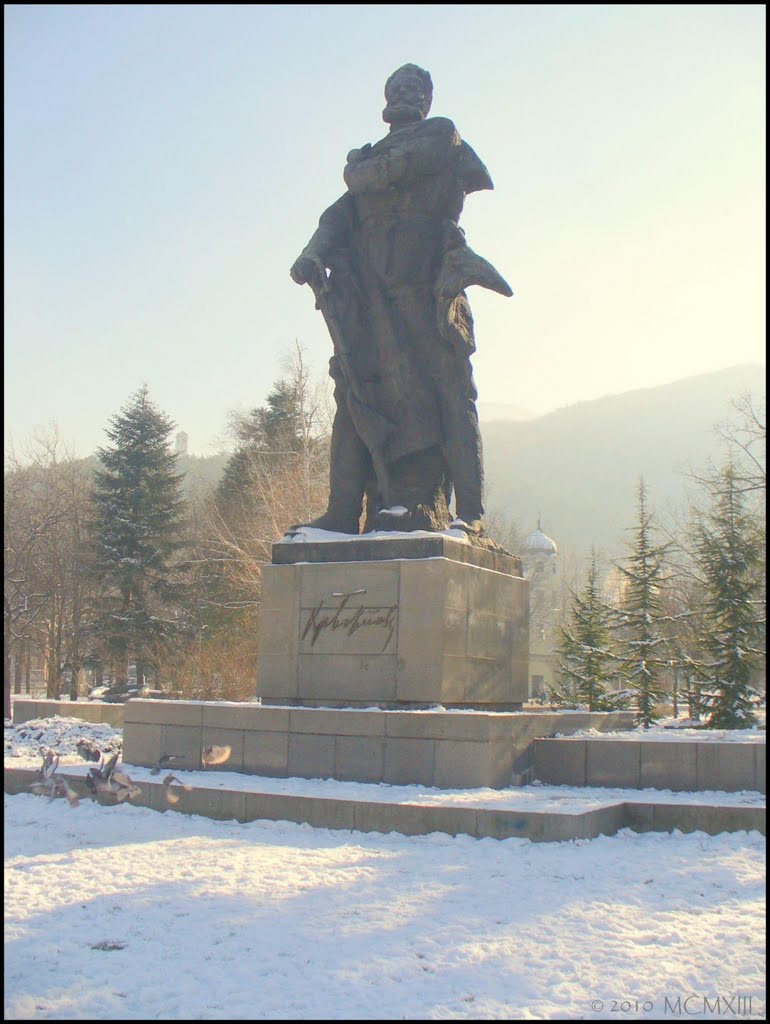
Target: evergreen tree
643 643
585 656
726 552
138 532
276 476
264 435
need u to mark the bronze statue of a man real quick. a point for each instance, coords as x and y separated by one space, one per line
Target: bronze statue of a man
406 432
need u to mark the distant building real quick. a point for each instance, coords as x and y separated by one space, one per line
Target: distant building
540 565
614 588
181 443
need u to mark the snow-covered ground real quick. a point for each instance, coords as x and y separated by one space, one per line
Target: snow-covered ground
677 733
126 914
123 913
24 742
312 535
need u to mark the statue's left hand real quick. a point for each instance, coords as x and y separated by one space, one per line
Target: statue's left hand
307 268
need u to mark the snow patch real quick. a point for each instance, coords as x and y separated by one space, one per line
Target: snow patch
312 535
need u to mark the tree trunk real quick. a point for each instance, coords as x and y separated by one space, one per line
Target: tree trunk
27 666
17 667
120 673
675 694
53 682
74 683
6 680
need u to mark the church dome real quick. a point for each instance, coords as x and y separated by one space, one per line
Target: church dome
536 543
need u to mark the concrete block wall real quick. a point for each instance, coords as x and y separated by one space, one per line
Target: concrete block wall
24 710
684 765
443 749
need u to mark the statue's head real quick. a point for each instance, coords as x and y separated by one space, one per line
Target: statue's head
408 92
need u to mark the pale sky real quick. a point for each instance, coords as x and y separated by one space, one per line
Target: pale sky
165 165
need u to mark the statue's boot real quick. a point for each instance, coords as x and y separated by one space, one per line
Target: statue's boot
475 528
350 473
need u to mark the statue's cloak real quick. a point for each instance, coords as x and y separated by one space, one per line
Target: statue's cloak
394 302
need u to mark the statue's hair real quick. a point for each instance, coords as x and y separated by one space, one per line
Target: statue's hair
415 70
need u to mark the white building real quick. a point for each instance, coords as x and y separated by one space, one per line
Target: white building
540 565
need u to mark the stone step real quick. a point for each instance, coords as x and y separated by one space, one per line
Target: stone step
688 765
409 818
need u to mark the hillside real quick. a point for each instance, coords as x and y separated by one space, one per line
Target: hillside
201 471
578 467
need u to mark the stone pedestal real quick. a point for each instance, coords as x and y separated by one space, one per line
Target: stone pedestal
394 623
445 749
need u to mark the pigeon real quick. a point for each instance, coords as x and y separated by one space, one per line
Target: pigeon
64 789
106 781
88 750
164 761
50 784
50 762
124 787
46 784
170 794
97 779
215 755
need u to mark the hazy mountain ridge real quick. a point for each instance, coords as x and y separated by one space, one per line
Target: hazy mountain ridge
578 467
493 412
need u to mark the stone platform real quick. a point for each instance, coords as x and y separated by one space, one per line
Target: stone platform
466 814
680 764
367 547
396 622
433 748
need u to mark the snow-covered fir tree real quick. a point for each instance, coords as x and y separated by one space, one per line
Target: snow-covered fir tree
728 559
138 533
642 641
587 662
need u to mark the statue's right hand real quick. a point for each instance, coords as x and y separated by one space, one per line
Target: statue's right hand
306 268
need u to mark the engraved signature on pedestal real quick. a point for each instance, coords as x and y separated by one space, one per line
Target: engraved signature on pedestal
322 618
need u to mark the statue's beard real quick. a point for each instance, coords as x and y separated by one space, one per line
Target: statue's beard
402 113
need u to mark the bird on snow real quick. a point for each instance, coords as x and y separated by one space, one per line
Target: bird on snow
106 781
98 779
124 787
88 750
52 785
169 792
50 762
46 784
64 789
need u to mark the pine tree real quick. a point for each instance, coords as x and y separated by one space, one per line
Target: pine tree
138 532
728 559
643 643
276 476
265 436
585 656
